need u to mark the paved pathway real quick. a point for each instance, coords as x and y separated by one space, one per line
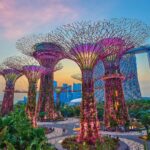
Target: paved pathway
128 140
133 136
132 145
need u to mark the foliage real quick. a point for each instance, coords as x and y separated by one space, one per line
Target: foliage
42 114
137 106
70 143
134 107
145 146
144 118
113 123
16 132
100 110
70 111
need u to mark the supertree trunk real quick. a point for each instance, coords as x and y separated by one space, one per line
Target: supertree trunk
115 107
31 104
46 100
7 104
89 123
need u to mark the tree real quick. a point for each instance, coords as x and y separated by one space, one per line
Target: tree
145 120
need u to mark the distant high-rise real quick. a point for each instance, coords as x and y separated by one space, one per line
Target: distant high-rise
64 94
68 92
77 88
55 85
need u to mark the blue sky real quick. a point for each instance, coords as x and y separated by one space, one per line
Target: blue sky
22 17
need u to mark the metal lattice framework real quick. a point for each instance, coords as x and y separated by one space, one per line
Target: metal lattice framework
10 75
47 54
130 34
33 71
80 42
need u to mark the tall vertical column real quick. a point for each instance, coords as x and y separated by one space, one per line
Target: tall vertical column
10 76
31 104
46 100
89 123
7 104
115 107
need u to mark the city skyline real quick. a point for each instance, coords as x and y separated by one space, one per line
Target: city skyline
19 18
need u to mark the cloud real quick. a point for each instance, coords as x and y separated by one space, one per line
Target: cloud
18 17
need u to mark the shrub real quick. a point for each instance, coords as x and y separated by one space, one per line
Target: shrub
16 132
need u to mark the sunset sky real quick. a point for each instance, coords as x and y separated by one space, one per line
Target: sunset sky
19 18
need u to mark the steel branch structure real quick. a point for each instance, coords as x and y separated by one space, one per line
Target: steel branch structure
81 44
127 34
33 71
47 54
10 75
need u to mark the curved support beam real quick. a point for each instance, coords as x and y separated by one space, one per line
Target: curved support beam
139 50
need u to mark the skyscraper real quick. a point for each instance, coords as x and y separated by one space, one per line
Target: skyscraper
77 88
131 86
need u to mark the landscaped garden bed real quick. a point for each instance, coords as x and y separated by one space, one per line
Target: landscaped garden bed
108 143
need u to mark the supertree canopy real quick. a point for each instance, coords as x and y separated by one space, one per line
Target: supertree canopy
31 69
127 34
81 44
47 54
10 75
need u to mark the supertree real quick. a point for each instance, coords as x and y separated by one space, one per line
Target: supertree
127 34
128 68
10 75
32 70
47 54
80 42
